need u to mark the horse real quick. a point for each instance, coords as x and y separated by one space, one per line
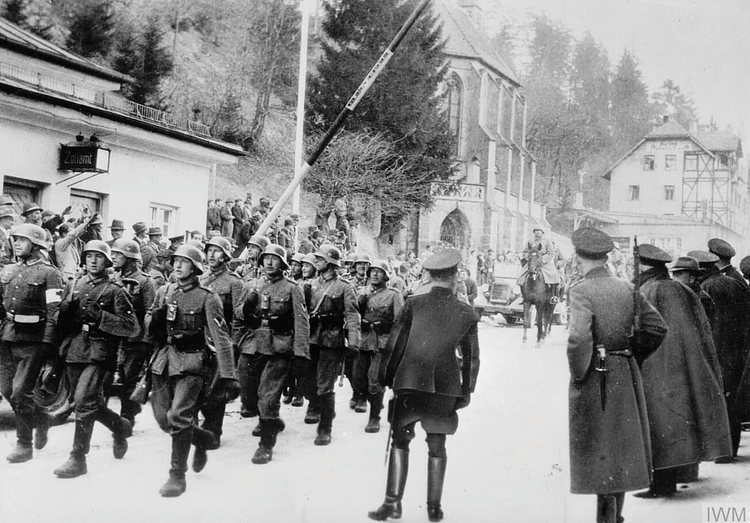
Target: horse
535 292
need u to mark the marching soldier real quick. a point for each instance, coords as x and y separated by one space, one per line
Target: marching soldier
359 279
277 341
420 366
31 292
610 452
295 267
187 323
333 307
134 352
379 306
362 262
99 315
230 289
255 247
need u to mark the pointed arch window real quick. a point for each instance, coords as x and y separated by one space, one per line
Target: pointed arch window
455 102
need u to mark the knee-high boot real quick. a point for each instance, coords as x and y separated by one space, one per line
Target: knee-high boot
76 464
203 440
327 413
606 508
176 483
24 432
620 500
435 478
398 470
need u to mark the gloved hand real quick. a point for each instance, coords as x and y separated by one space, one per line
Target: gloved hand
229 389
93 313
463 402
300 365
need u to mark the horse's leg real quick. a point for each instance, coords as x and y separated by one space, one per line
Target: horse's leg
540 312
526 318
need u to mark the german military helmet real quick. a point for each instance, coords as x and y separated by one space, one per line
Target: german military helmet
330 254
310 259
379 264
127 248
100 247
259 241
34 233
275 250
363 257
222 243
298 257
350 258
192 253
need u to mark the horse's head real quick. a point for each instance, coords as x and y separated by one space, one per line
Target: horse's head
535 262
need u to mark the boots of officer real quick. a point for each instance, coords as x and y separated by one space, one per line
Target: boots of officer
376 405
609 508
120 427
213 413
398 470
312 416
24 431
269 430
435 478
176 483
203 440
42 424
327 413
76 464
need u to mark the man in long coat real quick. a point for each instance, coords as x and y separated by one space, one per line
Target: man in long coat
681 381
610 451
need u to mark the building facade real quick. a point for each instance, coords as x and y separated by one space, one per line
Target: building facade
490 203
152 167
677 189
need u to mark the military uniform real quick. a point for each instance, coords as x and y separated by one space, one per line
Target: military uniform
334 317
610 451
277 338
230 289
134 351
187 323
98 314
31 292
379 307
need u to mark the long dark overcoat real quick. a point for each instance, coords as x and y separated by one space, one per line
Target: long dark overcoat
609 449
682 379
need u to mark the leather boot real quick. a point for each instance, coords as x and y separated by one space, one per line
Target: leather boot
606 508
76 464
120 427
312 416
23 451
620 500
42 423
327 413
203 440
398 469
264 453
376 405
176 483
435 477
213 413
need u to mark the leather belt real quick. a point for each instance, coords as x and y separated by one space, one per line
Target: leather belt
625 353
23 318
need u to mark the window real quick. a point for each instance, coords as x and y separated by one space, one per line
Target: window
723 160
163 216
669 192
691 162
455 98
648 162
670 162
635 192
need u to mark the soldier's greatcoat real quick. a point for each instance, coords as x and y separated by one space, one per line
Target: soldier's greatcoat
610 449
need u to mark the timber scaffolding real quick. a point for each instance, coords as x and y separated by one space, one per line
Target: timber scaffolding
106 100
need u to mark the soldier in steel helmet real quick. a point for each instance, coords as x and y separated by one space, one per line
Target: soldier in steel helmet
362 262
188 327
333 308
348 271
379 306
277 341
97 316
255 247
31 291
136 349
420 365
231 291
295 267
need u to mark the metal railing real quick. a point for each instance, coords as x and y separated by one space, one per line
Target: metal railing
104 99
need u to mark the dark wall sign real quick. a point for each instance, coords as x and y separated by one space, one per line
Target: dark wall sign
84 158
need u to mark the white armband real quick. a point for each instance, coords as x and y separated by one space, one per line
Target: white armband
53 295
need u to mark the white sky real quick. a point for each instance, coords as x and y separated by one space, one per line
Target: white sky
702 45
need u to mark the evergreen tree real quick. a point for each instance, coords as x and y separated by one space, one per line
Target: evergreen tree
91 29
14 11
229 122
402 105
670 100
631 112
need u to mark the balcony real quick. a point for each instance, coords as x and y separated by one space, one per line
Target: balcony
464 192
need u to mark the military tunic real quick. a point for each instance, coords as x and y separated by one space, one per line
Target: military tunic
278 332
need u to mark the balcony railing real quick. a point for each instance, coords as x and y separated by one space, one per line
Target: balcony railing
464 192
104 99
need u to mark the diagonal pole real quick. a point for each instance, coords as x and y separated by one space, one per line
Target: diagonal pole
303 169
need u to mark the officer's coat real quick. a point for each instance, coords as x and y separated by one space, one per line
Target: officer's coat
610 450
682 380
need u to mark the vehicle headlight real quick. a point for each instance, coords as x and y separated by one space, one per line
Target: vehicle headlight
516 289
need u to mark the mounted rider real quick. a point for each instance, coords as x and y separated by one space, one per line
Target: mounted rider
548 252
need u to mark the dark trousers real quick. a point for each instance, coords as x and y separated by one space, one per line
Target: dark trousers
175 400
249 371
366 366
130 361
325 368
20 364
273 374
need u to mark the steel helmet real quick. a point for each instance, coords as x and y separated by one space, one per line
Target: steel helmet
222 243
382 265
275 250
363 257
100 247
33 233
330 254
192 253
259 241
350 257
298 257
127 248
310 259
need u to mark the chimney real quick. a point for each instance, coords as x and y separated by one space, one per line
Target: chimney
665 118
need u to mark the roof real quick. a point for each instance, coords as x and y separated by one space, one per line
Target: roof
669 129
25 42
466 40
719 140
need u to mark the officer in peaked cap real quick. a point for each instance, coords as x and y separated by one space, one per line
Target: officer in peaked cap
725 252
744 266
705 259
653 255
615 418
422 347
